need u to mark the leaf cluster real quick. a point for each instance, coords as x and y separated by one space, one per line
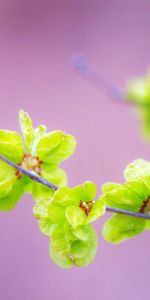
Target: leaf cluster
65 214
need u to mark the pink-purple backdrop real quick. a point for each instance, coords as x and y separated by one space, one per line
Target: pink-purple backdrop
36 40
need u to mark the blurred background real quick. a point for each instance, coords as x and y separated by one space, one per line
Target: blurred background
36 41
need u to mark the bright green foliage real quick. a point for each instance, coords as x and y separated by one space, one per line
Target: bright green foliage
55 147
27 130
39 152
11 145
120 228
139 169
133 195
65 206
65 214
56 176
138 92
65 219
67 249
77 211
10 189
10 200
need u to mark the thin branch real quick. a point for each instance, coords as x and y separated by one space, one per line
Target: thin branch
82 66
54 187
30 174
127 212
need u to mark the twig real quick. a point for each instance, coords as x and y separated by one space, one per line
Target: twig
54 187
30 174
127 212
80 63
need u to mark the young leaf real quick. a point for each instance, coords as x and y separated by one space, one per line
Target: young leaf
9 201
65 197
40 192
82 232
90 255
97 211
138 169
57 177
55 147
79 249
138 91
11 145
109 187
7 178
61 240
46 227
86 191
123 197
39 132
120 228
64 263
75 216
27 129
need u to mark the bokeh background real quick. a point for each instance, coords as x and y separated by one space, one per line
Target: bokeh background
36 41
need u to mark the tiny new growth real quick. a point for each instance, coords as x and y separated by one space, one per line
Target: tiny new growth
32 165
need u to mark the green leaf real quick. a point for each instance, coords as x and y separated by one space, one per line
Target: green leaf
140 188
147 225
27 184
56 213
39 132
109 187
27 129
82 232
97 211
11 145
75 216
65 196
46 227
86 191
123 197
144 116
68 251
79 249
56 176
7 178
40 192
48 214
55 147
90 255
40 209
138 169
9 201
138 91
61 240
120 228
64 263
45 216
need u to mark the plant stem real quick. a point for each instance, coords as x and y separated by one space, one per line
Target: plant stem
54 187
81 64
127 212
30 174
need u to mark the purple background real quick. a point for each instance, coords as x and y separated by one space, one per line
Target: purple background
36 40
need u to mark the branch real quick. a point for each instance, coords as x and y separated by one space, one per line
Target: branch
54 187
30 174
127 212
82 66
